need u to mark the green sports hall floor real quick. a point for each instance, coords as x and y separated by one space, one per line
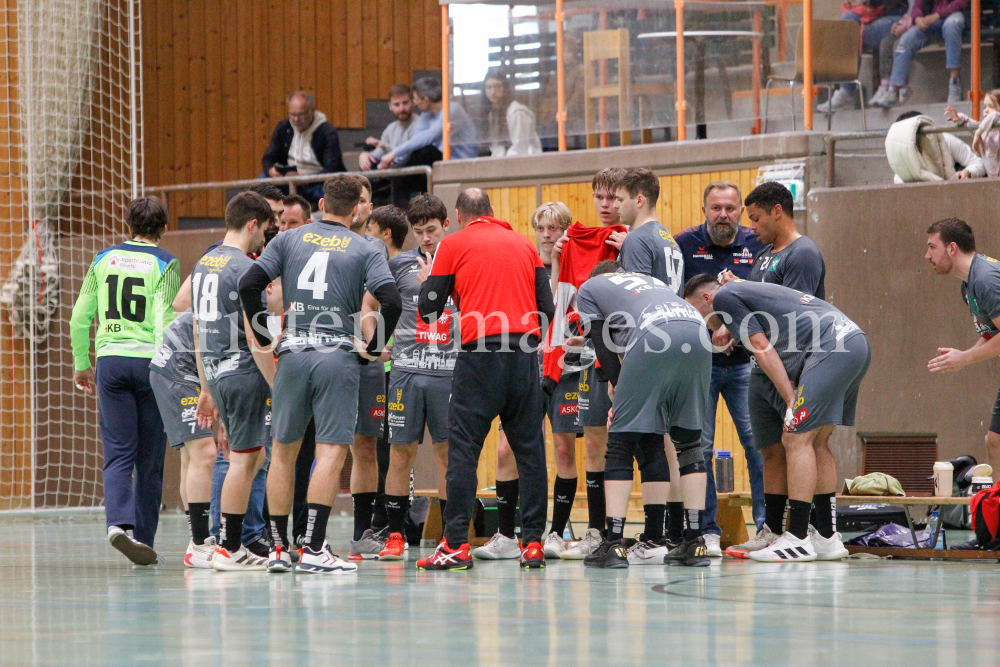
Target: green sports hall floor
68 599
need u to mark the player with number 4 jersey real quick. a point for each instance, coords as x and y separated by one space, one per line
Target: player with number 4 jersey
129 288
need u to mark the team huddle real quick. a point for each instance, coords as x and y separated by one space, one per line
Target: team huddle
295 340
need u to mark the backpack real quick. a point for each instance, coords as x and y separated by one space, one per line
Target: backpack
985 511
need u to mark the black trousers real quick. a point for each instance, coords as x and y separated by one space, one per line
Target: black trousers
485 385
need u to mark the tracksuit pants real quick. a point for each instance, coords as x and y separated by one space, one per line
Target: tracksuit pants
486 385
134 444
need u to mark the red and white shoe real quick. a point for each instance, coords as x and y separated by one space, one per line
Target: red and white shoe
446 558
279 560
762 540
324 561
199 556
240 560
395 548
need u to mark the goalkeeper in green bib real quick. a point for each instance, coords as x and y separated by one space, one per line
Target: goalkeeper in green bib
129 288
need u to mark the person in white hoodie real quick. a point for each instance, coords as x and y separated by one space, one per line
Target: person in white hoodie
303 144
508 126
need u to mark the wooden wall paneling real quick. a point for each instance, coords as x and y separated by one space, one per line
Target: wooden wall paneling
355 74
230 92
415 22
181 144
307 46
401 66
271 96
432 34
198 98
291 65
215 101
335 67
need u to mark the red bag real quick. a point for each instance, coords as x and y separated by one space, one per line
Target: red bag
866 13
985 511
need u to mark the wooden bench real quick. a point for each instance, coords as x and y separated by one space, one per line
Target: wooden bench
730 517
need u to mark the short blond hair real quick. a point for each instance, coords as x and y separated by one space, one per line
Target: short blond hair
554 210
721 185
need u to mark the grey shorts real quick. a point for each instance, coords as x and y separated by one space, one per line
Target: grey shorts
562 406
658 390
244 403
827 394
178 402
594 403
321 385
416 401
371 401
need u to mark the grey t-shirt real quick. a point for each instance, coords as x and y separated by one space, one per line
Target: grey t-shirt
819 328
631 304
982 294
215 298
325 269
652 251
378 245
799 266
427 349
175 359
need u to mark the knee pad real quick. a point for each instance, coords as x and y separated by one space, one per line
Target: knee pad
687 442
618 459
652 459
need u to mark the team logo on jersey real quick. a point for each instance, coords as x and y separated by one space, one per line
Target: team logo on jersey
378 412
745 257
571 395
567 409
214 262
798 418
397 405
138 264
438 333
806 298
800 400
990 259
703 254
773 265
337 243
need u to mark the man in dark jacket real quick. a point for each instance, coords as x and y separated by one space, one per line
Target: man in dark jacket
302 145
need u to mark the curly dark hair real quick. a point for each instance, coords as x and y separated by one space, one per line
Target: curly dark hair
147 216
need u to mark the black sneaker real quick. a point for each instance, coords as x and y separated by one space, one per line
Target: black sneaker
610 555
259 547
692 553
971 545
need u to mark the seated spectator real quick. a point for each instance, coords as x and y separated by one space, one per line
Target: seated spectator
986 141
303 144
297 212
877 18
933 21
397 132
915 156
425 146
508 126
886 49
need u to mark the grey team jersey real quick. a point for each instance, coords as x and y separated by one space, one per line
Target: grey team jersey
215 300
819 329
428 349
325 269
175 358
652 251
631 304
982 294
378 245
799 266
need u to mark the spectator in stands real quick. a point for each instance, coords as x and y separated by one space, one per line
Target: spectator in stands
933 21
425 146
935 155
877 18
399 131
986 141
886 49
303 144
508 127
296 213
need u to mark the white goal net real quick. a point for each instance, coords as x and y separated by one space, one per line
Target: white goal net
70 161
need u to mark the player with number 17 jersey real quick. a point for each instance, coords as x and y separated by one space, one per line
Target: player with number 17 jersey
652 251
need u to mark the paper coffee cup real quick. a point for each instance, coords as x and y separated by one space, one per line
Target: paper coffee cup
943 471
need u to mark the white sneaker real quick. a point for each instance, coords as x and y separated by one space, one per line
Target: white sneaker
840 100
763 539
500 547
324 561
279 560
554 546
367 548
241 560
647 553
787 549
199 556
584 547
828 549
134 550
712 545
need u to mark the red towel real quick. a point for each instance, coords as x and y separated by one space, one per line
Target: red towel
581 252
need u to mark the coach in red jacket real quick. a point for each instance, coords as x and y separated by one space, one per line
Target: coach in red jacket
499 284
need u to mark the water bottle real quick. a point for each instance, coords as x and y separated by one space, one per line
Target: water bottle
724 478
932 525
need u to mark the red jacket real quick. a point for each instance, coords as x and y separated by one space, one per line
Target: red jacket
497 281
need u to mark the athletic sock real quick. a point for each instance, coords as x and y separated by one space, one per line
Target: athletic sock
317 517
564 492
798 518
442 503
694 520
362 512
198 519
616 528
187 515
655 516
279 531
395 509
231 531
675 521
595 500
826 513
774 512
507 493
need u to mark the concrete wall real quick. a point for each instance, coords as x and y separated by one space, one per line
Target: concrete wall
873 241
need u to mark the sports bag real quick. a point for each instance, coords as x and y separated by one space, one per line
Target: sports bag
985 511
